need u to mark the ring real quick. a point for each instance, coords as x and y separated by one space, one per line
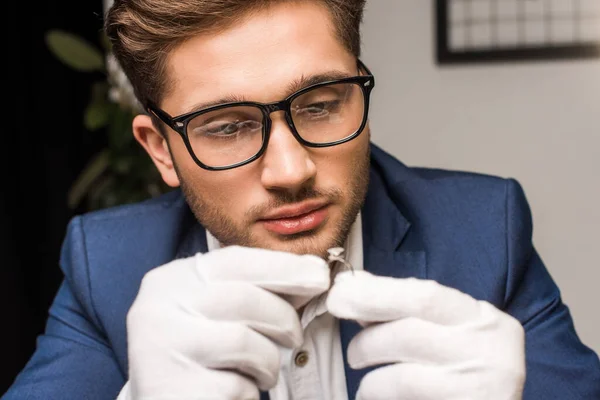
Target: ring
336 254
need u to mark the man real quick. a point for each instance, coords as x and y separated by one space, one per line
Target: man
258 110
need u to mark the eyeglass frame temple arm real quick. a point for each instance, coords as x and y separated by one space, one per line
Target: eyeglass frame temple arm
362 65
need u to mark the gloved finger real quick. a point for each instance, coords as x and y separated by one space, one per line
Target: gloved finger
300 277
226 385
234 346
193 382
252 306
408 340
296 278
409 381
365 297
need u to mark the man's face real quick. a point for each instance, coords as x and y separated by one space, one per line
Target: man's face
293 198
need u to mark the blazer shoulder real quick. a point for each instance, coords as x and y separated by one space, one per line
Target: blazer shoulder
395 172
134 210
471 186
117 236
432 174
121 239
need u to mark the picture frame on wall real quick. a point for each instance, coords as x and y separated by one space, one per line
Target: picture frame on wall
474 31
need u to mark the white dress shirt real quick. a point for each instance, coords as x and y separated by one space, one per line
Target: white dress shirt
315 371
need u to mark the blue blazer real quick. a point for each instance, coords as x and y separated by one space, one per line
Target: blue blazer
464 230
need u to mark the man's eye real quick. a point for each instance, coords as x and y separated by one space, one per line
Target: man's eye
318 110
229 129
221 129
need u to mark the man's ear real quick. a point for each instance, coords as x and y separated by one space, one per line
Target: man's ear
157 148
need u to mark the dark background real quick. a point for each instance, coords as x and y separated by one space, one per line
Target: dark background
44 146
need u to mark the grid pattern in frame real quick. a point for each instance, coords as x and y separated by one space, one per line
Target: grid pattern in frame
489 30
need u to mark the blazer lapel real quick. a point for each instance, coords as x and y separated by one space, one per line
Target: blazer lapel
392 248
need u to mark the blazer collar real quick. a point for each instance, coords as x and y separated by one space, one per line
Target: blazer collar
194 241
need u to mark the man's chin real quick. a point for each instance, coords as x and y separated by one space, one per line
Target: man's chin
314 242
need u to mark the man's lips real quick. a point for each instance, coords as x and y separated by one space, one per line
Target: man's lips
294 210
296 218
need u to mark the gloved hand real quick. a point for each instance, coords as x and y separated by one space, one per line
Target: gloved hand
208 326
439 342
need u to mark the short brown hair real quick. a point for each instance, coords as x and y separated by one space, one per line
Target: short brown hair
143 32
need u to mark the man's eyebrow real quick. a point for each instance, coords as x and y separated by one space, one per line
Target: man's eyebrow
294 86
223 100
305 81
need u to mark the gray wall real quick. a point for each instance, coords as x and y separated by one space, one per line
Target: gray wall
536 122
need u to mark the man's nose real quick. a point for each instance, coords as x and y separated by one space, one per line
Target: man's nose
286 163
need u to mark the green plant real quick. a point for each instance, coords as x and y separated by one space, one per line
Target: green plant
122 172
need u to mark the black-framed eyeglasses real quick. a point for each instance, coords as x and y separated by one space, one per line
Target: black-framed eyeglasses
230 135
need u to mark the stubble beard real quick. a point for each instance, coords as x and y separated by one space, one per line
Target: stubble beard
228 232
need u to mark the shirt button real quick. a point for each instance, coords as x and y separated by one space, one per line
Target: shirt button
301 358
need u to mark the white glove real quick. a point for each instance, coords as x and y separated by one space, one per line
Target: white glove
440 343
207 327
